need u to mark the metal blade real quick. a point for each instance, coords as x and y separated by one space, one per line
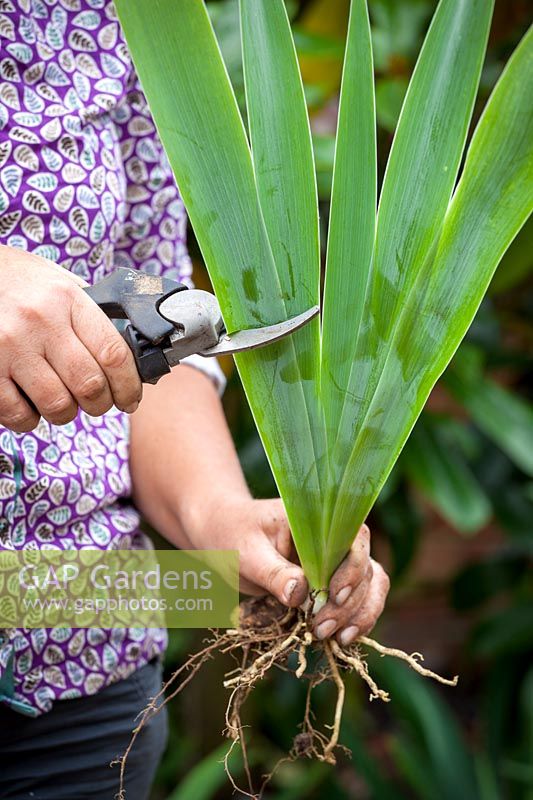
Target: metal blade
259 337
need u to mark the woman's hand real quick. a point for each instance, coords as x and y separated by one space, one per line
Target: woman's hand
188 483
357 593
57 348
259 529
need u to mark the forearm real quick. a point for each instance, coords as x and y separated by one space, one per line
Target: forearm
182 458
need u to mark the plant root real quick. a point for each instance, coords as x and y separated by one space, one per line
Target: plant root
267 637
413 660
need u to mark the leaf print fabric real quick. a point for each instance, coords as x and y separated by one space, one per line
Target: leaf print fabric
84 182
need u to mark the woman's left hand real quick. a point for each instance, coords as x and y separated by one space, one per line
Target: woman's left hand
259 529
357 594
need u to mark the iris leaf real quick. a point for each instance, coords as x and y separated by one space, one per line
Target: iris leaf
491 203
352 217
198 120
417 186
402 286
286 186
350 240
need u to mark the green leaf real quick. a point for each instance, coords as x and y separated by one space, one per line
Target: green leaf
205 780
286 186
316 45
416 190
431 729
352 217
366 765
198 120
285 176
508 633
492 201
350 245
445 478
200 126
503 416
305 782
489 788
398 28
426 154
390 94
411 764
225 19
394 310
420 175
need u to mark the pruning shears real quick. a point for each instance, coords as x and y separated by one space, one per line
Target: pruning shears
167 321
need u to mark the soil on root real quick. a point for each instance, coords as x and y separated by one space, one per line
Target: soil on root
268 634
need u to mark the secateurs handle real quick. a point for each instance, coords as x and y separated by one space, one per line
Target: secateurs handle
135 296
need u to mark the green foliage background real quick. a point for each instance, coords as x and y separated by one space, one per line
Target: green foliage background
453 523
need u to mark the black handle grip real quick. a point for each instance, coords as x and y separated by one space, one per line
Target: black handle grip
129 294
133 295
149 358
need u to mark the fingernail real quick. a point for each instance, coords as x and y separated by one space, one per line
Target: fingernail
325 629
343 595
290 586
349 635
132 408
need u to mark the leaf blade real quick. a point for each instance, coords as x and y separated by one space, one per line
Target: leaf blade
286 187
352 216
210 180
427 149
491 203
504 417
419 178
285 174
197 117
445 478
285 179
417 186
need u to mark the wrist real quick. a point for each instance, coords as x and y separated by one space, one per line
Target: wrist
203 518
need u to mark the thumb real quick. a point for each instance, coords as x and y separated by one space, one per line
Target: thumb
266 568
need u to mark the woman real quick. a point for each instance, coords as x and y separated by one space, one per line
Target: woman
84 184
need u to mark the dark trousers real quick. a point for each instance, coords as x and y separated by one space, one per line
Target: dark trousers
65 754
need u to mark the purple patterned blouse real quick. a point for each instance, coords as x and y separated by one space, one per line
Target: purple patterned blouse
83 182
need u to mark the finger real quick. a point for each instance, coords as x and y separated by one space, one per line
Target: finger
107 346
276 526
370 610
332 617
248 587
80 373
353 569
15 412
46 391
263 566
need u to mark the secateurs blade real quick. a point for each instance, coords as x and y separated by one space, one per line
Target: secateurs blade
168 321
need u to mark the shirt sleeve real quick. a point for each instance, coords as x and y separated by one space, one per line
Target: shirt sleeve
154 232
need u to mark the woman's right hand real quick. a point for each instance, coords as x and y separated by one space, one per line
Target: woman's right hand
57 348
